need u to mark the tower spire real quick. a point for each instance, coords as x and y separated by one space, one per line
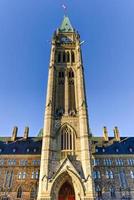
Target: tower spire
66 25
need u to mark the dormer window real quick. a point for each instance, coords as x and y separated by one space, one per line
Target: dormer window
28 150
96 150
103 150
14 150
117 150
130 150
35 150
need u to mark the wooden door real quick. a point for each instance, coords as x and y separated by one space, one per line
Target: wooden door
66 192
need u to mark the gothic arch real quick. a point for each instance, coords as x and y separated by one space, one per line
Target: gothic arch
72 179
66 124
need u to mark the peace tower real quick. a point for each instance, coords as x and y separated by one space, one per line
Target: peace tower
65 172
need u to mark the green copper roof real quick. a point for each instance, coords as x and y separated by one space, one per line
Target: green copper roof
66 25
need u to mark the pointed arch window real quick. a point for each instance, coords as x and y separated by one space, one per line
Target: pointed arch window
61 74
64 57
109 174
68 56
59 57
112 191
71 93
132 174
123 179
67 141
96 174
19 192
99 191
71 74
33 193
72 57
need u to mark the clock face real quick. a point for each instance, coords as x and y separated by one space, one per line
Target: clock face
66 40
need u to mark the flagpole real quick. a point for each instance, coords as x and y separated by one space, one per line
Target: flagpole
65 9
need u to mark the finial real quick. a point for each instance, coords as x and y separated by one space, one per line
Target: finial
26 132
105 134
116 133
14 133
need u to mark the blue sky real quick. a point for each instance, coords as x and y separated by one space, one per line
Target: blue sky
107 26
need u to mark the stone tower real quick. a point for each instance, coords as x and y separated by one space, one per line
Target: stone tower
65 172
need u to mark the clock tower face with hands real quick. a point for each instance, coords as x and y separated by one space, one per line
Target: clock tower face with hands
66 171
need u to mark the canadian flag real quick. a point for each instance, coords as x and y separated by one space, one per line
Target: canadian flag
64 7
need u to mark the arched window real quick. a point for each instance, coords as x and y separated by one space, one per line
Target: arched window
123 179
68 56
96 174
109 174
33 193
72 57
112 192
61 74
23 175
132 174
71 74
59 57
67 141
71 93
64 57
19 192
99 191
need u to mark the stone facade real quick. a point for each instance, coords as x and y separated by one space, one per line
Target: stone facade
65 161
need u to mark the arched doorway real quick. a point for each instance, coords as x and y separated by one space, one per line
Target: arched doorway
66 192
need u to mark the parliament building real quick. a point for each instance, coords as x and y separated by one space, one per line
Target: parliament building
65 162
